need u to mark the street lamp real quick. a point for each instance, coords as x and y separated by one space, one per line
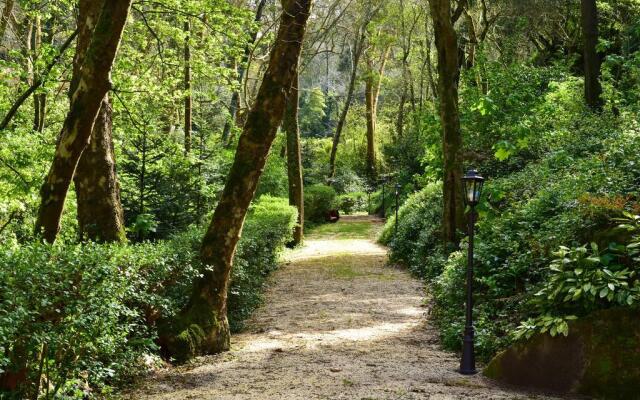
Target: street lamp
395 234
384 212
472 184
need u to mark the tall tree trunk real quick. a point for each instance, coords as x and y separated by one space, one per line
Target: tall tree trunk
188 99
100 215
6 16
202 328
372 93
291 128
371 126
234 104
86 100
592 61
448 77
39 99
358 48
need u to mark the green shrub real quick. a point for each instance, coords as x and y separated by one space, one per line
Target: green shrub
351 203
587 174
418 243
584 279
268 227
82 316
318 201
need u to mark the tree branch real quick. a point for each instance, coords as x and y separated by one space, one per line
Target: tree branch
39 82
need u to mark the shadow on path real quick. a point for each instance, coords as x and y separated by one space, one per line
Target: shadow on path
337 323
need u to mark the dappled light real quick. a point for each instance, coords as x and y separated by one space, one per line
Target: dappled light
337 322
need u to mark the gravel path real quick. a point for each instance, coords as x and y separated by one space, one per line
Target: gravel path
337 324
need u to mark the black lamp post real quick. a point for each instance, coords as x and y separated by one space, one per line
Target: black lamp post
384 212
472 184
396 223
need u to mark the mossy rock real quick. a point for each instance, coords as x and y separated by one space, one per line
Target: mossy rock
600 358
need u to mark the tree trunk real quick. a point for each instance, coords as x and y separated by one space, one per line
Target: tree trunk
371 126
294 159
448 77
100 215
188 99
372 93
235 96
592 61
6 16
93 83
202 327
358 47
39 99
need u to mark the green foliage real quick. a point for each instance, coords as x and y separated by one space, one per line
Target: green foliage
82 317
268 227
318 201
351 203
577 173
274 179
418 238
583 279
312 113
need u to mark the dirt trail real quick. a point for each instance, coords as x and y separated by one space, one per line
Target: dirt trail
337 324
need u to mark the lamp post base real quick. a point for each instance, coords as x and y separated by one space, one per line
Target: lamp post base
468 362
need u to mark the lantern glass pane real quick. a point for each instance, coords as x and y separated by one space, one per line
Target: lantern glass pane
470 186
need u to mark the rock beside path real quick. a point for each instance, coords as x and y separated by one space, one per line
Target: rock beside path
600 358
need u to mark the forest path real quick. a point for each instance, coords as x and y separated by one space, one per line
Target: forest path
337 324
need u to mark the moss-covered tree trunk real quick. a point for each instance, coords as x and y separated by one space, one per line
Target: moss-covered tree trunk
202 327
448 77
100 215
592 61
291 128
93 83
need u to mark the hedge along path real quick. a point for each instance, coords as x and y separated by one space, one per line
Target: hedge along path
337 323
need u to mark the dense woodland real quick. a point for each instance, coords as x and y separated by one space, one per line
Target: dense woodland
157 156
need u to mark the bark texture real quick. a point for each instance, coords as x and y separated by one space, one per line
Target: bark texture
6 16
202 327
100 215
291 128
592 61
448 77
372 93
89 88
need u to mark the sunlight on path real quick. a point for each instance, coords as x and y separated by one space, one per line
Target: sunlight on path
337 324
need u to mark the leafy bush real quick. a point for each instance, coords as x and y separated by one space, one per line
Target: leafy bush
318 201
583 279
578 172
269 226
77 319
418 242
353 202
